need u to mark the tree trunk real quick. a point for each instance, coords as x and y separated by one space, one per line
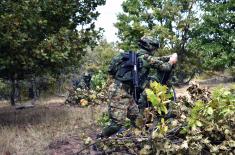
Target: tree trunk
33 90
17 91
59 85
13 90
35 94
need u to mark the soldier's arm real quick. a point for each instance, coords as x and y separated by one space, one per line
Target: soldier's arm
156 62
165 58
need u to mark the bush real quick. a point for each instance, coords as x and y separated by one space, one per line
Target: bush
4 89
104 120
203 124
98 81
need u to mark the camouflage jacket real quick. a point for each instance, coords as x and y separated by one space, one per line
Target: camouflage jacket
147 63
151 62
83 82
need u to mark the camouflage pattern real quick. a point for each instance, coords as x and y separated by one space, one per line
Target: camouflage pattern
122 104
157 64
121 107
84 82
75 96
81 90
148 43
149 63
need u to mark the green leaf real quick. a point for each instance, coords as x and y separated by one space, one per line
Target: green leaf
210 111
152 97
41 37
198 123
164 109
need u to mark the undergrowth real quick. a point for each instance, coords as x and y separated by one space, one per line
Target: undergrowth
201 124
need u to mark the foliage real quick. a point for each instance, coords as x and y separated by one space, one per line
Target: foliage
201 32
96 62
98 81
98 58
37 37
39 33
214 36
170 21
84 96
81 97
203 124
218 110
232 71
4 89
157 95
104 120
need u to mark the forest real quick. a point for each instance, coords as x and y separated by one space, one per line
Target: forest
55 80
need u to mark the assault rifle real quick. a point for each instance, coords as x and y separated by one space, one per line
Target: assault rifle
133 57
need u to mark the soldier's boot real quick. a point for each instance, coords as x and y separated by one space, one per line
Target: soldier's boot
132 121
113 128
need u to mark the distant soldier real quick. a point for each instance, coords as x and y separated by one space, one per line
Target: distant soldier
122 103
81 89
84 82
87 80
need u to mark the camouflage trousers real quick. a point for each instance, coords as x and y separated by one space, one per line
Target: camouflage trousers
122 104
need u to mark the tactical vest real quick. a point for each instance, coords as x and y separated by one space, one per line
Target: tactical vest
121 68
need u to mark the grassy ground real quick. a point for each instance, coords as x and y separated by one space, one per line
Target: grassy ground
52 127
49 128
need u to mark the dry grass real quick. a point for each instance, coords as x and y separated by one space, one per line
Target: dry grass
50 123
4 103
30 131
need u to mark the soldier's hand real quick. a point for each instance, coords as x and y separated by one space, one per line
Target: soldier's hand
173 59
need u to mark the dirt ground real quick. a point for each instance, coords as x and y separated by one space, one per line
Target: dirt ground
54 128
51 127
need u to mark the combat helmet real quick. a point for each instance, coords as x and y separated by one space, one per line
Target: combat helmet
148 43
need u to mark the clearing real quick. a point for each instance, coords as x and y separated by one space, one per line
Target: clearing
52 127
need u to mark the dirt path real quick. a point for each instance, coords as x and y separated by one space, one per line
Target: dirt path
76 141
72 145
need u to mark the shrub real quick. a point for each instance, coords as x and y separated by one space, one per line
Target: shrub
203 124
4 90
98 81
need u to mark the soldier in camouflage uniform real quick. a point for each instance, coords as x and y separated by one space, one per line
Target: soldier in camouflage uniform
84 82
158 64
80 90
122 104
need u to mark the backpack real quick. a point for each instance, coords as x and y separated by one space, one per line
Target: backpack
122 66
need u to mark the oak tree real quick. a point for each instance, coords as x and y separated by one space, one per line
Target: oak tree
39 36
